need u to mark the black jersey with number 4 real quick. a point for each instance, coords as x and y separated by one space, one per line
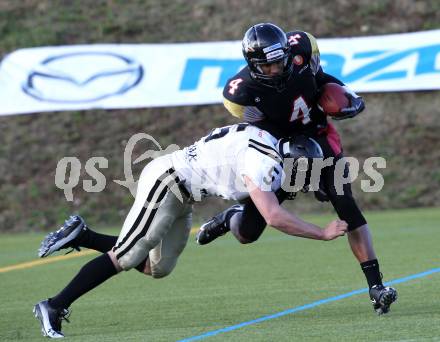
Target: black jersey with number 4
291 110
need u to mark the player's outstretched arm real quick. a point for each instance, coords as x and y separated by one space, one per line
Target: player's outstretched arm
281 219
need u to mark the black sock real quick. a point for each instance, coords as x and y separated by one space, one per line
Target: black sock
372 273
99 242
92 274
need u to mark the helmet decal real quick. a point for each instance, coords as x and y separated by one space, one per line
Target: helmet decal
273 47
274 55
298 60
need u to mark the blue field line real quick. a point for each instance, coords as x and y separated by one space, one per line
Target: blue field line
306 306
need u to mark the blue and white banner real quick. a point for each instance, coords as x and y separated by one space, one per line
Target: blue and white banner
150 75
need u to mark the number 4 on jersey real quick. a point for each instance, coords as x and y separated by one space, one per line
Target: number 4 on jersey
300 111
233 85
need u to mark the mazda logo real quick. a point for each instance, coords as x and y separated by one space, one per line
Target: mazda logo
82 77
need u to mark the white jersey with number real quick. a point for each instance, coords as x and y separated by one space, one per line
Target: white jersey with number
215 165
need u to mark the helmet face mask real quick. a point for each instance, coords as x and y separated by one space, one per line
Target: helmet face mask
264 44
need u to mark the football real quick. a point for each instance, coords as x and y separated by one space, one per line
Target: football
332 99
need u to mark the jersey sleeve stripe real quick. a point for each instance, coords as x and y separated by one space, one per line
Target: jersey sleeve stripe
268 153
266 147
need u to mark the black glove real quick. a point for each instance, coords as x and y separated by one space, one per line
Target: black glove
357 105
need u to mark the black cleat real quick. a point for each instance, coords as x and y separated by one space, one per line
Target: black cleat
65 237
50 319
382 297
216 226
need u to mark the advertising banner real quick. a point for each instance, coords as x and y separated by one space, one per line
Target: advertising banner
80 77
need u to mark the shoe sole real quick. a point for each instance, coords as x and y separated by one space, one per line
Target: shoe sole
221 217
389 298
202 231
39 315
386 301
60 243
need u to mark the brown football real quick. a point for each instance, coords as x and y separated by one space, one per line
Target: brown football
333 99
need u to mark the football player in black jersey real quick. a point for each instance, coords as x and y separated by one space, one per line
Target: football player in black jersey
278 92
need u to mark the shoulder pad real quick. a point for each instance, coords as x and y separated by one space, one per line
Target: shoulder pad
300 42
235 89
313 43
304 43
235 109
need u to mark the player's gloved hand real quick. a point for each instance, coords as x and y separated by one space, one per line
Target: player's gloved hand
356 106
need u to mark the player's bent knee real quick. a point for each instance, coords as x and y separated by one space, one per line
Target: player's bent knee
358 226
132 257
244 240
158 274
125 264
163 268
247 236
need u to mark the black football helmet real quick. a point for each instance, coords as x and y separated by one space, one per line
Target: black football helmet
300 148
266 43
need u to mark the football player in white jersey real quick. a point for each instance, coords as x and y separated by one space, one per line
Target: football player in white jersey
234 162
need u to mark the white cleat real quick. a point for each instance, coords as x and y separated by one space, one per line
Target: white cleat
50 319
